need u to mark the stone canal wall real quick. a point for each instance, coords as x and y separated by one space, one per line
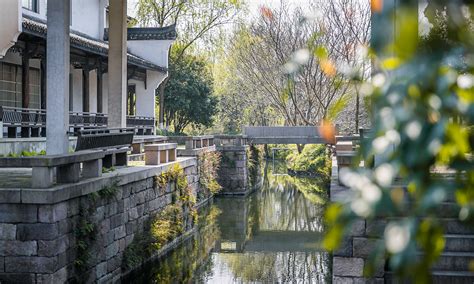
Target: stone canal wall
364 236
233 171
348 262
80 230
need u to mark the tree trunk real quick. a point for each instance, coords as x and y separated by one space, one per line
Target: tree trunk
357 112
300 148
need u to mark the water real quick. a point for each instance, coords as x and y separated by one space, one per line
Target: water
271 236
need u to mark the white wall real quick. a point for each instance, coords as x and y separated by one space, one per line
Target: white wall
42 10
86 15
155 51
76 89
10 24
146 99
93 91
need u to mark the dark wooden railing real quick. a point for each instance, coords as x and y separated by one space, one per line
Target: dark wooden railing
143 125
33 121
88 119
11 116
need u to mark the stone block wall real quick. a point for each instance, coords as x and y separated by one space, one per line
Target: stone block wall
39 240
348 262
233 172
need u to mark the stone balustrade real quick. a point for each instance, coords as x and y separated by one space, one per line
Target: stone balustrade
156 154
193 142
67 168
138 144
230 140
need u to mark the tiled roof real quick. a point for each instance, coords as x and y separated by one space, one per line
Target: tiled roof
165 33
80 41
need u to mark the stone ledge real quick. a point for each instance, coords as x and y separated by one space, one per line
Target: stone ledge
195 152
65 192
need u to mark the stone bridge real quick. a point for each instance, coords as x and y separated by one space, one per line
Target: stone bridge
282 135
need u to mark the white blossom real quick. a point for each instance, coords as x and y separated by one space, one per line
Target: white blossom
465 81
413 130
384 174
396 237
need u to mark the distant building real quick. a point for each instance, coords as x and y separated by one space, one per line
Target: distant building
23 32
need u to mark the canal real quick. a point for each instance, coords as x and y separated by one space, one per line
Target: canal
271 236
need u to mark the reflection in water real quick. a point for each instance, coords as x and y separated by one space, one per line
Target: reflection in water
274 235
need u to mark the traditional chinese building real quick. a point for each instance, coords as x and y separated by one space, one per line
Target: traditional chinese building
23 68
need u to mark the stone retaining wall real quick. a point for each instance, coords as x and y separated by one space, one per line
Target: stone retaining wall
349 260
39 228
233 172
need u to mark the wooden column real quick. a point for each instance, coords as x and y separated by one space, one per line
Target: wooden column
25 78
99 88
25 85
85 90
43 82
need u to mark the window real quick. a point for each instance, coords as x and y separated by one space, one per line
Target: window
10 86
30 5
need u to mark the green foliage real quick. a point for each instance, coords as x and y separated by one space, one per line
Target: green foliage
161 229
86 229
337 107
109 191
175 174
314 159
280 154
209 163
424 102
107 170
188 94
25 153
254 163
168 224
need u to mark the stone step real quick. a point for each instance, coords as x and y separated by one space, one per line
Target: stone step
439 277
452 277
452 226
459 243
454 261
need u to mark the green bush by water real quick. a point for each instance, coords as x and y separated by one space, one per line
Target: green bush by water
314 159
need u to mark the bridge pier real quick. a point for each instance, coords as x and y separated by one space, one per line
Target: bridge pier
233 172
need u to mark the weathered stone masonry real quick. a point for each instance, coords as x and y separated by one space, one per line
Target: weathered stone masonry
233 172
38 227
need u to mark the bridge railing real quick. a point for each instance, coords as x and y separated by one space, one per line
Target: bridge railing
193 142
230 140
280 131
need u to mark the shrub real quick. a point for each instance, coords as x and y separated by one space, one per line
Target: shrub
314 159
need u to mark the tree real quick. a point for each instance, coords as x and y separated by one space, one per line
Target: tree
194 19
188 94
258 51
351 20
